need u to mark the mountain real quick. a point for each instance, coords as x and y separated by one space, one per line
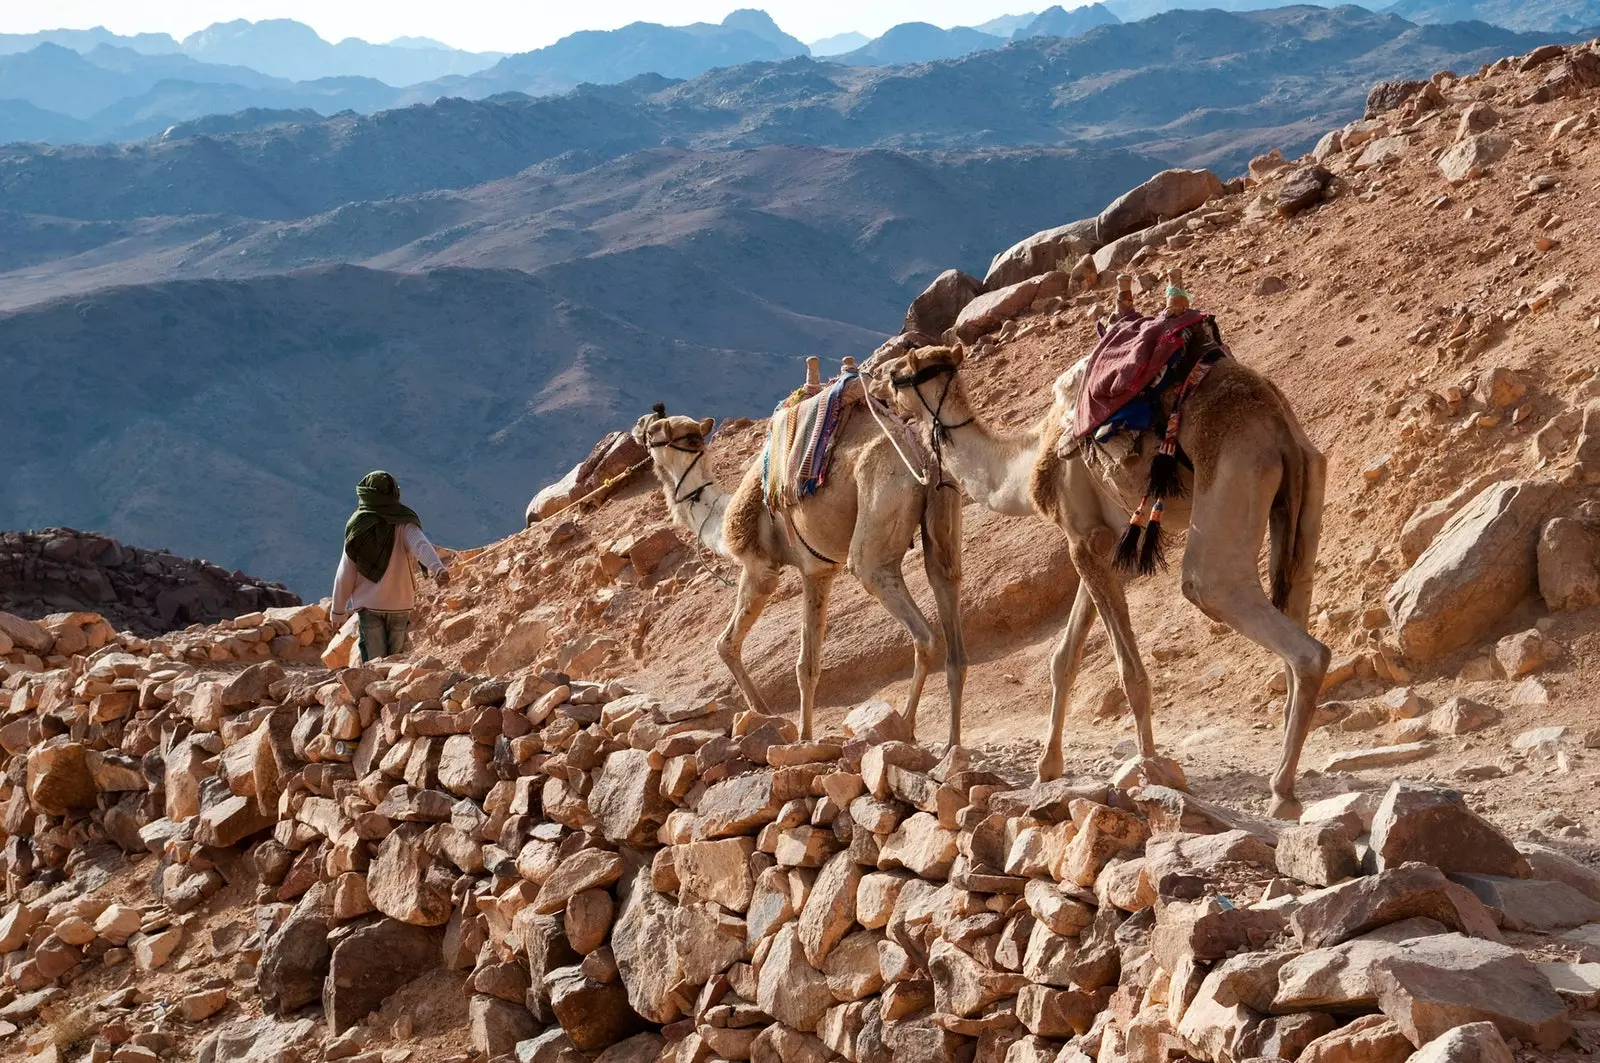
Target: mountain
839 43
87 40
289 49
919 42
58 95
607 57
1564 16
1006 25
1057 21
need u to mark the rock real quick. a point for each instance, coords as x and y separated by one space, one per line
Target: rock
644 943
1473 1042
552 1046
994 308
852 969
1461 715
1424 824
1481 564
1378 757
1302 190
1167 195
495 1026
716 871
940 303
1425 522
1576 983
920 845
1354 810
1369 1039
1349 909
1213 1030
1469 157
1339 978
1318 854
594 1014
265 1040
790 989
585 870
1445 981
738 806
708 941
404 882
588 920
1531 904
830 910
201 1005
466 767
1569 565
294 960
58 776
1380 152
371 962
1048 1012
1523 652
1386 96
1104 832
1052 249
1547 863
1476 118
1286 1036
961 985
230 822
626 799
1331 143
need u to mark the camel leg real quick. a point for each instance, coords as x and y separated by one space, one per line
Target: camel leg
1090 549
813 629
941 559
1220 576
1063 672
756 585
883 580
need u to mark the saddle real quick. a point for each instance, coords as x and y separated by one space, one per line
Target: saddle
800 439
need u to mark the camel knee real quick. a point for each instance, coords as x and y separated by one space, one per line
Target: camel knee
1311 660
728 650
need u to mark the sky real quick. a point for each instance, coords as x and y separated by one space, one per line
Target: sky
492 25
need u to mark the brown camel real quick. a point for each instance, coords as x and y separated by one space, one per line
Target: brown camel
863 517
1254 469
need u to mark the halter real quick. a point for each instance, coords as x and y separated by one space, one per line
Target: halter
941 431
699 452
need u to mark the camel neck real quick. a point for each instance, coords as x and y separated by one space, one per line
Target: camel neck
996 470
697 503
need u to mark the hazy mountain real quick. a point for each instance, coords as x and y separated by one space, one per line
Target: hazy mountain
1059 22
288 49
1006 25
1567 16
87 40
22 121
607 57
919 42
838 43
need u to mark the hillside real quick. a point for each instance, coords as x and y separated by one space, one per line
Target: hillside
552 833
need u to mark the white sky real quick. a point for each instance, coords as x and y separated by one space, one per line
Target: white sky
493 25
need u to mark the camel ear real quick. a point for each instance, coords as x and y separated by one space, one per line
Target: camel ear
958 353
641 429
706 426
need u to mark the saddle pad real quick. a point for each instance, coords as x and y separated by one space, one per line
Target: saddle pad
794 461
1131 354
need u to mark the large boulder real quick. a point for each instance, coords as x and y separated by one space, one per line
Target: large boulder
371 962
1428 825
644 944
991 310
295 958
1163 197
26 634
1480 565
941 302
1352 908
594 1014
626 799
59 779
1339 978
1569 565
1437 983
1058 248
1385 96
614 454
405 883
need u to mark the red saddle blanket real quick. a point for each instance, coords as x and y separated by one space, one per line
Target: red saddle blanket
1131 354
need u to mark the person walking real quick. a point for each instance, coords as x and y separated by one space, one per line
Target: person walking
374 578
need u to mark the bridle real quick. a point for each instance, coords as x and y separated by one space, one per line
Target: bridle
699 451
941 431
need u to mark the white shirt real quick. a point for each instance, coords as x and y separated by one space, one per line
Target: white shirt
396 591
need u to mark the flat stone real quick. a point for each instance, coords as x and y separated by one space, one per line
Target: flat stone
1430 825
1378 757
1532 904
1352 908
1339 978
1441 982
1369 1039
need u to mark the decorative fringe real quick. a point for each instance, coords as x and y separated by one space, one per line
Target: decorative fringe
1153 552
1127 557
1166 475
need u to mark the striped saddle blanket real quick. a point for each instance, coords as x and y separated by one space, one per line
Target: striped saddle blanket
794 462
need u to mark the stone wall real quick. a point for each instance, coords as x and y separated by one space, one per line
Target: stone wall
623 878
144 591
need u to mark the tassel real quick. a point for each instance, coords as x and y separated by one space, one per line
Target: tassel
1127 556
659 409
1166 475
1153 553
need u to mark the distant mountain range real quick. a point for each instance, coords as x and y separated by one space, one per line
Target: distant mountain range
1567 16
213 307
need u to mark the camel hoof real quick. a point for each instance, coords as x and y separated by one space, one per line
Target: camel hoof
1050 767
1286 808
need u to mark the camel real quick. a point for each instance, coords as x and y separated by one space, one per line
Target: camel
864 518
1253 469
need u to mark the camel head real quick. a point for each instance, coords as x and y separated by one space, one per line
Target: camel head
672 441
924 381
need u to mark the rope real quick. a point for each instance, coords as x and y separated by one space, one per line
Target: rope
872 407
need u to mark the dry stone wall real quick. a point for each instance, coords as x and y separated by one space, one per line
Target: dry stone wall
622 878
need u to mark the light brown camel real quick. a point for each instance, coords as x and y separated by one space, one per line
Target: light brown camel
863 517
1254 469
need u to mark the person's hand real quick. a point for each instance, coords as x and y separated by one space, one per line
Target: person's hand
338 620
442 577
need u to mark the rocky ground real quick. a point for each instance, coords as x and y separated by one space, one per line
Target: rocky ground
549 835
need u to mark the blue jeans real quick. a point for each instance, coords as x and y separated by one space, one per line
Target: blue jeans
382 634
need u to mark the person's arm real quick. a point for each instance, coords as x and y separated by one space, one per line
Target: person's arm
423 551
344 585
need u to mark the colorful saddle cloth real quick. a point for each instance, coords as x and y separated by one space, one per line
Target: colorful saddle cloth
794 462
1131 355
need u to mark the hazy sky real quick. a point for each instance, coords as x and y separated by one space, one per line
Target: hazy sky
492 25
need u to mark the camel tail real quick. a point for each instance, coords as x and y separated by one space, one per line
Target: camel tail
1296 526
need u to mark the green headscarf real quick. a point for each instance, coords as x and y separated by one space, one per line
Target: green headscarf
369 533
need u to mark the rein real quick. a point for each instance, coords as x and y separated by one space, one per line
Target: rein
941 431
699 452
